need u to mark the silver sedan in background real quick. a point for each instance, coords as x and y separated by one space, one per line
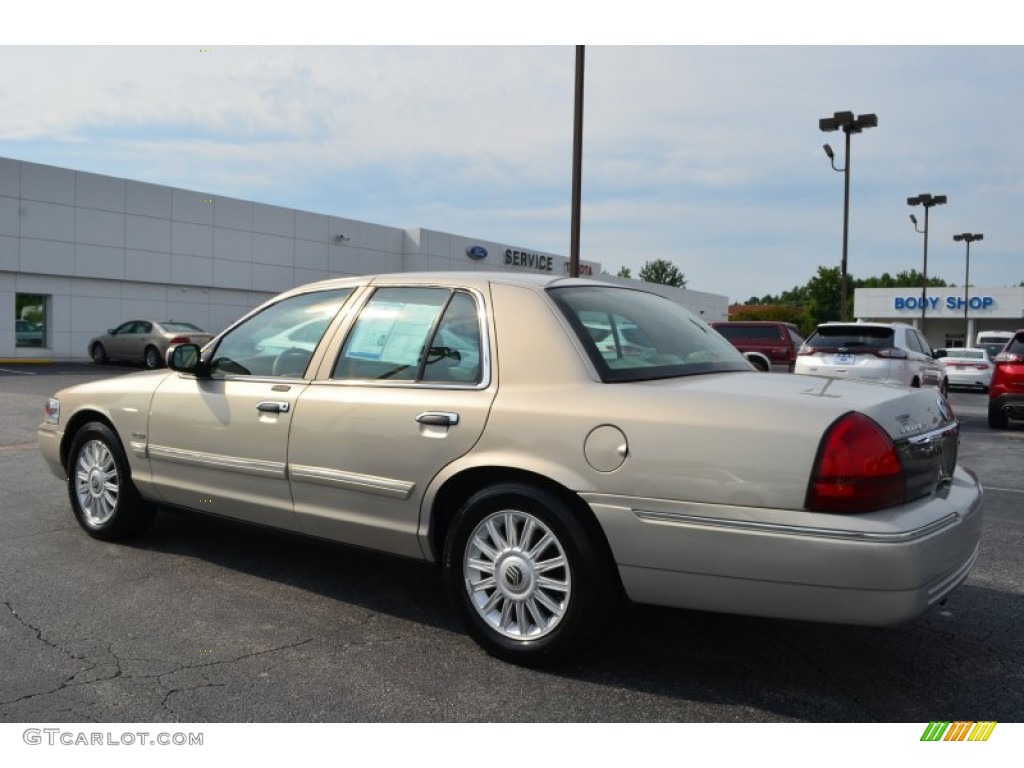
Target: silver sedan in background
145 341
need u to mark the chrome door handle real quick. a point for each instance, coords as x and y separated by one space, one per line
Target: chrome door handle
273 406
438 418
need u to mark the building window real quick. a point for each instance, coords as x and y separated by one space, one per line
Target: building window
955 340
30 320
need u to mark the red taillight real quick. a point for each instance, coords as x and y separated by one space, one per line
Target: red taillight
857 469
891 352
178 340
1006 357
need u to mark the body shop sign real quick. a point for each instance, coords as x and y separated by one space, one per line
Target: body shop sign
945 302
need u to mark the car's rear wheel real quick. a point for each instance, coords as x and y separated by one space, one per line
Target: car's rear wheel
152 358
997 419
531 581
98 354
105 502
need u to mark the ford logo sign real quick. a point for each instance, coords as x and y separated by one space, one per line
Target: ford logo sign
476 252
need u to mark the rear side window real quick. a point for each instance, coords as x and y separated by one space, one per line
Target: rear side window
767 333
1016 345
851 337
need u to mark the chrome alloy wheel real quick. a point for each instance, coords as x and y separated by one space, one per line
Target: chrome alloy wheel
97 485
517 575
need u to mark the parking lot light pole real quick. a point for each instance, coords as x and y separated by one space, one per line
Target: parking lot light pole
849 126
928 201
968 237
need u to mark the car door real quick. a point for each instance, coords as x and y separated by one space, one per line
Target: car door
219 442
927 368
408 393
117 342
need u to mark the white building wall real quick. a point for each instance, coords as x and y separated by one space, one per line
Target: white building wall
106 250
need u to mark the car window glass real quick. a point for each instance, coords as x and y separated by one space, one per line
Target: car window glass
926 347
143 327
1016 346
454 353
796 337
125 327
260 346
913 342
851 337
389 338
633 335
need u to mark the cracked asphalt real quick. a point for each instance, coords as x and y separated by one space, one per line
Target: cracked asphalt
202 620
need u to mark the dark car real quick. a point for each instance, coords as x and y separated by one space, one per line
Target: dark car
1006 392
768 345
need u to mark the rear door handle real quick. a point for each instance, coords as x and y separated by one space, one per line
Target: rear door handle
438 418
273 406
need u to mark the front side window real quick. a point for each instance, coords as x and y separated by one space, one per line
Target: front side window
267 344
632 335
413 334
30 320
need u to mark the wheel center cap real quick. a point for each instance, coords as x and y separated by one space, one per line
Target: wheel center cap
516 577
96 482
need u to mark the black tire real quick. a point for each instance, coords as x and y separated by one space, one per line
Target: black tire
516 618
759 364
944 388
103 497
997 419
151 358
98 354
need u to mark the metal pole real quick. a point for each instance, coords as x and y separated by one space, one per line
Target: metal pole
846 228
924 279
967 279
577 164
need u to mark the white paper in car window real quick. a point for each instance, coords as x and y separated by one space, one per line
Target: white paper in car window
392 332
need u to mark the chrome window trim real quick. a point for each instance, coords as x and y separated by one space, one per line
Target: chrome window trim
482 325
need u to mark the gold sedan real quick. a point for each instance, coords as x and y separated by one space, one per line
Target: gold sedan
551 443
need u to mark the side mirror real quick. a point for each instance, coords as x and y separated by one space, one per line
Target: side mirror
185 358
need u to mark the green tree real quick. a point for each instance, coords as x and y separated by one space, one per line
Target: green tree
664 272
823 295
624 272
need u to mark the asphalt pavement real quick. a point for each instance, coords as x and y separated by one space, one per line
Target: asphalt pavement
202 620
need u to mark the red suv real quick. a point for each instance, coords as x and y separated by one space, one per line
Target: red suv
1006 393
767 345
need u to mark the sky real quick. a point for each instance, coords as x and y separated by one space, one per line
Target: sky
700 149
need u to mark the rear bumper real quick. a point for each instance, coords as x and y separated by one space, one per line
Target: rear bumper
1010 404
874 569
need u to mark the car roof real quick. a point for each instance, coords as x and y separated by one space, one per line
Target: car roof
479 280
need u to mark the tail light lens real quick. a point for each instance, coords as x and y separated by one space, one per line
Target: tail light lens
179 340
856 470
891 352
1006 357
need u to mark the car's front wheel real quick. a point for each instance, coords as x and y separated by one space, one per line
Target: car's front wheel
531 581
98 354
152 358
105 502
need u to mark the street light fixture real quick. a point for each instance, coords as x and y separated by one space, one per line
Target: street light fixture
846 122
968 237
928 201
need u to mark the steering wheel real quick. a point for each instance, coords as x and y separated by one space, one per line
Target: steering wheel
291 362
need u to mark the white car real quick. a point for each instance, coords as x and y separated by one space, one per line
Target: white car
966 367
890 353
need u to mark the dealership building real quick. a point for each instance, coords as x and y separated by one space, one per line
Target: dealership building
81 253
950 317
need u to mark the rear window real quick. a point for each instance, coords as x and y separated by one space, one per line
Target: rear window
633 335
749 332
851 337
966 354
179 326
1016 345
